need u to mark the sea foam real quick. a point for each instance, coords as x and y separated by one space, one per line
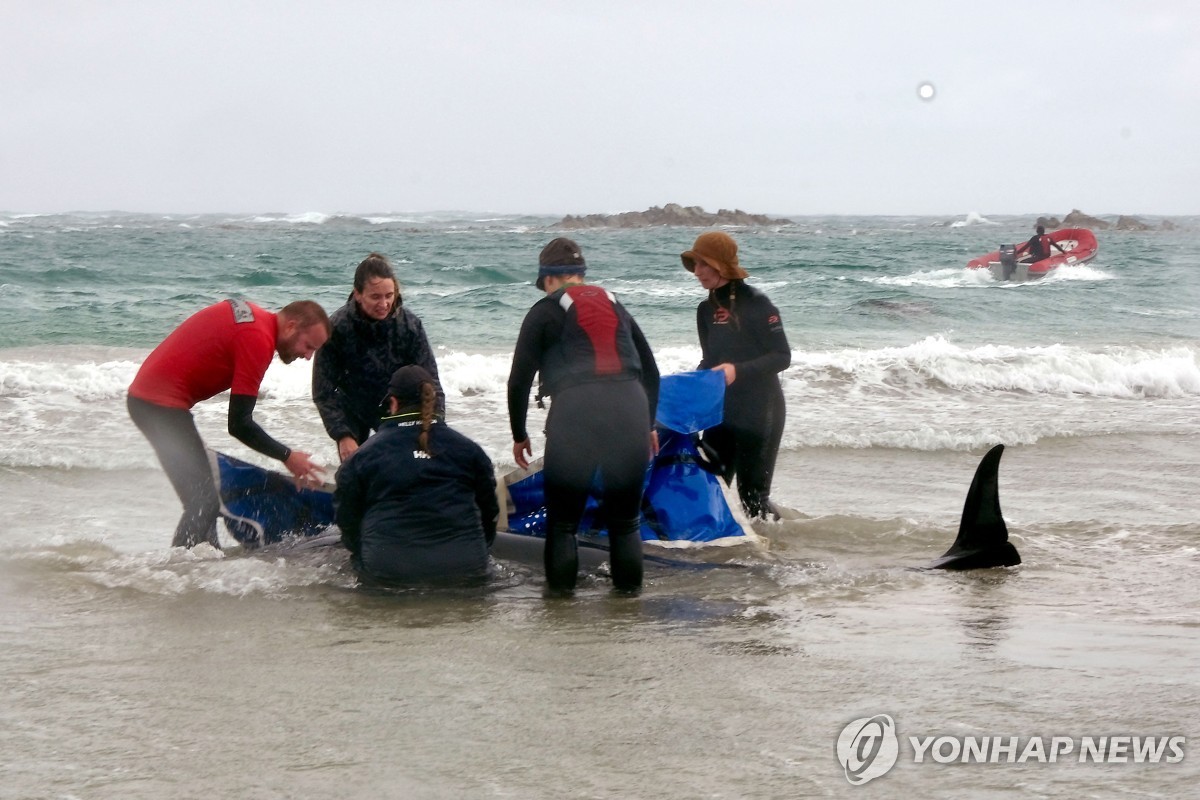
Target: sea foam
972 218
62 411
936 364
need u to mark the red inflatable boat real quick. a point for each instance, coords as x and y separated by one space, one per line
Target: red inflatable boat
1006 264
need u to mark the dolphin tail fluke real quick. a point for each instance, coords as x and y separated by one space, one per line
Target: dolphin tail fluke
982 535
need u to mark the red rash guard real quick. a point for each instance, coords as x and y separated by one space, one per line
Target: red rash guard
210 352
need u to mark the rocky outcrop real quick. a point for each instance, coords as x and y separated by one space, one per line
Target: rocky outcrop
1078 219
1125 223
672 214
1051 223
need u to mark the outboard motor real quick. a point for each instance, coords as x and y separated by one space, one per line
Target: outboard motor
1008 260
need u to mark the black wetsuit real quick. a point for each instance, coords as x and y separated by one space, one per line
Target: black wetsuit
351 371
410 517
1035 249
739 325
596 364
1038 247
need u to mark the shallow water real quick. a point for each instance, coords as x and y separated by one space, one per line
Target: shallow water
131 670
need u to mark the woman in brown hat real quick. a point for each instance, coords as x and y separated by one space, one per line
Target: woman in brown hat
741 334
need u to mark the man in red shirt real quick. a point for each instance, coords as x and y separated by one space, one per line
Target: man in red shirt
227 346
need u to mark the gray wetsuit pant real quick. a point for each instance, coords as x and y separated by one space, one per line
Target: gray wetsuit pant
173 435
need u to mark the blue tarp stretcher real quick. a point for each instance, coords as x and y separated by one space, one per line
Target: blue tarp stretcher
263 507
684 504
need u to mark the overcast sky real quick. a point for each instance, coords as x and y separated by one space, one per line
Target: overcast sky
590 106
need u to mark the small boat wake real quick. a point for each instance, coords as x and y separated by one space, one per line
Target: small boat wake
1075 246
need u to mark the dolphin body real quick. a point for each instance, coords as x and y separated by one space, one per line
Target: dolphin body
982 535
982 540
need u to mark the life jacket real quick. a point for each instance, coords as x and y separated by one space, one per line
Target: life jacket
596 343
1039 247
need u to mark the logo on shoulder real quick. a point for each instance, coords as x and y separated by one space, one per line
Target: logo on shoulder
420 454
242 312
867 748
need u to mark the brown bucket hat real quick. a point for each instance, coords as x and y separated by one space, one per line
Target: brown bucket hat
720 251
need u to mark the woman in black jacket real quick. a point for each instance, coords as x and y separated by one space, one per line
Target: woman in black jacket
373 336
741 334
416 504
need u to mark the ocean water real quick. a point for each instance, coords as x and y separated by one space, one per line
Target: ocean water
131 670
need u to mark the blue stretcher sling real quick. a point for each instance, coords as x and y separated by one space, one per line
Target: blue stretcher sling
683 504
261 507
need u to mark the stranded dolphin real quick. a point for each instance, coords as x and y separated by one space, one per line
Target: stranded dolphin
982 535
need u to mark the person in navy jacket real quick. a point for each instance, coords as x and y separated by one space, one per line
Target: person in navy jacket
416 503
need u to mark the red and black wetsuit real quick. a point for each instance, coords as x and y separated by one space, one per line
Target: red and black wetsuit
1038 247
596 364
739 325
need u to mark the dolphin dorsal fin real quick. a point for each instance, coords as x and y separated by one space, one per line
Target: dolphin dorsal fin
982 523
982 535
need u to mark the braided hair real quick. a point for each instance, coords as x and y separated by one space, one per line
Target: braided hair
428 409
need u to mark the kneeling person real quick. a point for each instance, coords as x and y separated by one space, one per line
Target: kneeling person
417 502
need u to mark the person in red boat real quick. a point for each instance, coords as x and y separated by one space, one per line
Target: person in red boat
1038 247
